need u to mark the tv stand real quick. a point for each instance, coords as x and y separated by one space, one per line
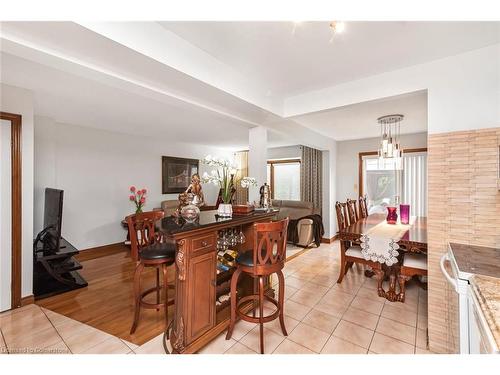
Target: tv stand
55 271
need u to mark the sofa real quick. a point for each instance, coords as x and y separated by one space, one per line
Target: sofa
295 210
169 206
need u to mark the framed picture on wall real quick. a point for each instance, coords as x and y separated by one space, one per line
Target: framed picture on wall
176 173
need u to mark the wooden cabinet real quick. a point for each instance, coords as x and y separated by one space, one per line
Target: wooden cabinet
197 320
201 294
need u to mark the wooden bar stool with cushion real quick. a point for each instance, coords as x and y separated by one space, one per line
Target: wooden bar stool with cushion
413 264
152 250
363 207
267 257
350 252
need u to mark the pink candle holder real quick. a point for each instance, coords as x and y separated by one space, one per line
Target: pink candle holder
404 212
392 215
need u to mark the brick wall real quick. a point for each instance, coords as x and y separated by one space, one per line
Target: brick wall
464 206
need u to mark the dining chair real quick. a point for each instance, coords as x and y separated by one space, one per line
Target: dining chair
414 264
152 250
363 207
267 257
351 211
350 252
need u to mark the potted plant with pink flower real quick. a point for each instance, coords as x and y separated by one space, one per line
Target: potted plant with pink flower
138 196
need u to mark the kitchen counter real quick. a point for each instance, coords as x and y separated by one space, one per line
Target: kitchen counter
487 291
175 227
476 260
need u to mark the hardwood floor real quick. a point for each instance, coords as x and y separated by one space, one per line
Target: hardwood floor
107 302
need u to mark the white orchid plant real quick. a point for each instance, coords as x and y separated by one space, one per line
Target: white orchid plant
223 175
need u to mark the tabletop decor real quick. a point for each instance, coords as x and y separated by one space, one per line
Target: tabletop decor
190 211
392 215
138 196
223 175
195 189
404 213
380 243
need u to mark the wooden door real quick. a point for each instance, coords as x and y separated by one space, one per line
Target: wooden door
15 235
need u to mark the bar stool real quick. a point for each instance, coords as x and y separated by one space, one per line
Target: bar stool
267 257
153 251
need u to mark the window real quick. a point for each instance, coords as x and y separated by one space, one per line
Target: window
381 184
284 178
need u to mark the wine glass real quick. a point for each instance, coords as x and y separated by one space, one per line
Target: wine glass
232 238
241 236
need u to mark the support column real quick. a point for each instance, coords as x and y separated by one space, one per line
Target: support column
329 190
257 160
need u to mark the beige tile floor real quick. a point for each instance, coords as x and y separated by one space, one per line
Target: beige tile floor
320 316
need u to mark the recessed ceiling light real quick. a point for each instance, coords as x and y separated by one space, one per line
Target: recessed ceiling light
337 26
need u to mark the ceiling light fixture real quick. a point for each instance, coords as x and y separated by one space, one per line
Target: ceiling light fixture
390 146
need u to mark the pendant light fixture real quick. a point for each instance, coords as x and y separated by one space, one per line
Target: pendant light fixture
390 146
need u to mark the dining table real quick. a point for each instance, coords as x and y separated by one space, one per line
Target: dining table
413 240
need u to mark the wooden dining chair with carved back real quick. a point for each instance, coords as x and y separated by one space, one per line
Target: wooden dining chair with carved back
350 252
267 257
352 212
363 207
150 249
414 264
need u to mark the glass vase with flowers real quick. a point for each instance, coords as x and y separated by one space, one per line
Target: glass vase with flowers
138 196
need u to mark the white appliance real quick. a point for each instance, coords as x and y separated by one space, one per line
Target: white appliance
468 331
481 340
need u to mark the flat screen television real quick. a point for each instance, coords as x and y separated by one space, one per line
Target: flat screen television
52 218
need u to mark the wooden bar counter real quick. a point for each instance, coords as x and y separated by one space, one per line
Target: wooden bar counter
197 318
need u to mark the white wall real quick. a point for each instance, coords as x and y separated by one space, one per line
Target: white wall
463 91
95 168
20 101
5 215
348 156
286 152
257 160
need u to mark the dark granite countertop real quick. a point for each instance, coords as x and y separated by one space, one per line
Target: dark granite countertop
477 260
171 225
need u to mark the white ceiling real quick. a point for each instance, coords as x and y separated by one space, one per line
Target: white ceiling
360 120
71 99
209 82
290 58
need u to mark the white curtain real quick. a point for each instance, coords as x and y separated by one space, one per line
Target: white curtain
414 183
383 184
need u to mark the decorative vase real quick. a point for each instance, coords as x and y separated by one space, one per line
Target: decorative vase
404 213
225 210
190 212
138 211
392 215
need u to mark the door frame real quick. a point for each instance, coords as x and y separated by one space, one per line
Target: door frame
371 153
16 221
